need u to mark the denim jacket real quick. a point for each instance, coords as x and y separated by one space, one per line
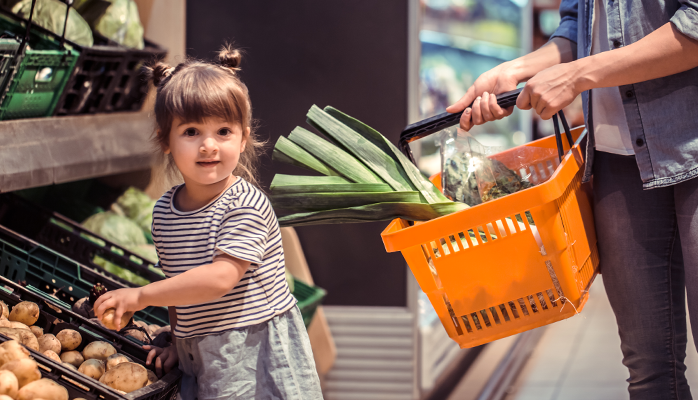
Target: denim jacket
662 113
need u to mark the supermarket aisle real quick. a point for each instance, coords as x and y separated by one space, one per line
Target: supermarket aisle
580 358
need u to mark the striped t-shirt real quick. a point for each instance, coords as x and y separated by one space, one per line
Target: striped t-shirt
241 223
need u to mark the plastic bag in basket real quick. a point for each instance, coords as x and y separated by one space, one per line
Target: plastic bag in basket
472 173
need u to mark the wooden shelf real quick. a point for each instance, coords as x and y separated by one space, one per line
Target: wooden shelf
39 152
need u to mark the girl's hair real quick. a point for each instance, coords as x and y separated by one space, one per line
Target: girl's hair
197 90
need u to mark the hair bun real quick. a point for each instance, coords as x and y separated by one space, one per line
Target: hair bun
230 57
158 72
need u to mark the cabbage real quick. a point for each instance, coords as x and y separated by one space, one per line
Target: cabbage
118 20
138 207
116 228
50 14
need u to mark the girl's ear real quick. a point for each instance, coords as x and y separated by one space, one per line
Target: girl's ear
244 139
165 148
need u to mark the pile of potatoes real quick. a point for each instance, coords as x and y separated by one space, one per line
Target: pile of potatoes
98 360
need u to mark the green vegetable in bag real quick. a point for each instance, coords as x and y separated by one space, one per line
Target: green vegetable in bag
50 14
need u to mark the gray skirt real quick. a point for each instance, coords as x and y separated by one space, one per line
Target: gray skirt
272 360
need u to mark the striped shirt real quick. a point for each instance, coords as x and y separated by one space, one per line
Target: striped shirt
241 223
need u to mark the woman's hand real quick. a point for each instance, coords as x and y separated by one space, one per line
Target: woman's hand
122 300
550 90
165 358
482 93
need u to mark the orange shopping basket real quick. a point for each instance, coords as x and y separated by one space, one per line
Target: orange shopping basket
511 264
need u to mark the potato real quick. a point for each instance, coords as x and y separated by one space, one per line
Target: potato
4 323
52 355
126 377
73 357
83 308
98 350
108 319
5 397
38 332
11 333
12 350
28 339
140 323
25 370
44 389
49 342
138 335
8 384
93 368
5 310
25 312
70 339
152 329
166 328
116 359
71 366
152 378
19 325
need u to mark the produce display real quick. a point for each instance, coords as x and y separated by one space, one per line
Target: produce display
366 177
50 14
20 375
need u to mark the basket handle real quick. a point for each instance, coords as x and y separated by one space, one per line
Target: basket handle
68 3
25 40
429 126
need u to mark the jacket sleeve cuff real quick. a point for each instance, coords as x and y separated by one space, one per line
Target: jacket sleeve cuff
567 29
686 21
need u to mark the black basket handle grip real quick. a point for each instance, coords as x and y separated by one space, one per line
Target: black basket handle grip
426 127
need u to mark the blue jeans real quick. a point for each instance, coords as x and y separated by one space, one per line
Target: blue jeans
648 246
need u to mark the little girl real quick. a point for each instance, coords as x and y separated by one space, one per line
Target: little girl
237 331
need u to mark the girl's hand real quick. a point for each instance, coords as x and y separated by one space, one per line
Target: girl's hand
165 358
550 90
122 300
482 93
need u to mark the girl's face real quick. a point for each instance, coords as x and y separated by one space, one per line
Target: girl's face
206 153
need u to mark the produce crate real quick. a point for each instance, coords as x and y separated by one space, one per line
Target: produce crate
71 239
8 51
22 259
39 76
107 77
535 253
55 317
309 298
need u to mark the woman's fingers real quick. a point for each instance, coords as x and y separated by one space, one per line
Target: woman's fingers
477 112
153 353
463 102
465 119
485 106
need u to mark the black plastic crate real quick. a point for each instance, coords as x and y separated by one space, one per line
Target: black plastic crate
108 78
53 321
22 259
71 239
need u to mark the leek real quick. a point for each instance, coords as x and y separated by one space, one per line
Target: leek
363 149
297 202
419 181
290 153
373 212
330 154
285 184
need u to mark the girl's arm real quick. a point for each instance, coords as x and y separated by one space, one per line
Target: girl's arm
198 285
664 52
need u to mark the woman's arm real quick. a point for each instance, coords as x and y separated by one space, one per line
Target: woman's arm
198 285
664 52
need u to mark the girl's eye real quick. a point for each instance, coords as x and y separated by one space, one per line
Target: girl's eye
190 132
225 132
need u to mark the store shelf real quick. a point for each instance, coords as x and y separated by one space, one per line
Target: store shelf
39 152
